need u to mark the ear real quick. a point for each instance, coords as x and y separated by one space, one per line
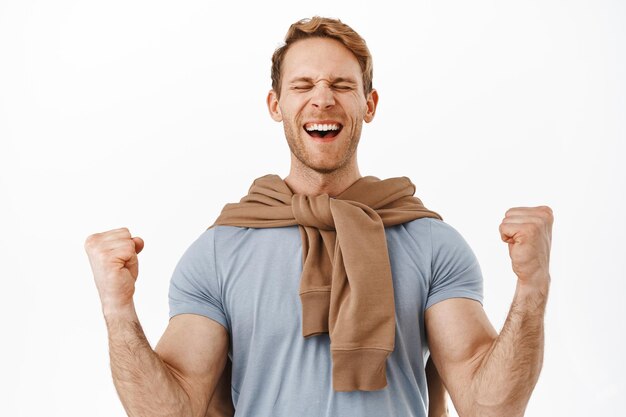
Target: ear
273 107
372 102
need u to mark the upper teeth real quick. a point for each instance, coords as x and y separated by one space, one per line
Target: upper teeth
315 126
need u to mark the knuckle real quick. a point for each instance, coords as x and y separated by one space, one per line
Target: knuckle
122 231
549 213
91 241
545 213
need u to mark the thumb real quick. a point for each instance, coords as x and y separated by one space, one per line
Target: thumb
138 244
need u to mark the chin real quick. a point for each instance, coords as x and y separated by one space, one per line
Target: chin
323 167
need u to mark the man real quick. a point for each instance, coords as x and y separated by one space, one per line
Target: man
327 289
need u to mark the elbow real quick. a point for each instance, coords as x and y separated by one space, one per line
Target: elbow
501 397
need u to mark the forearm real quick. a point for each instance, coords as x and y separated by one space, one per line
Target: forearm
145 384
507 374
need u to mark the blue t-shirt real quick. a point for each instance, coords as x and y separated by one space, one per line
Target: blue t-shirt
248 281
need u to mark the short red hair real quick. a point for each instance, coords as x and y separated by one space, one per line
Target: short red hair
323 27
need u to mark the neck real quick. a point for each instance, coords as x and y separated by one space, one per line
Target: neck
304 180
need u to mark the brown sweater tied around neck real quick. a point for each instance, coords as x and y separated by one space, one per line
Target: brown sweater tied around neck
346 288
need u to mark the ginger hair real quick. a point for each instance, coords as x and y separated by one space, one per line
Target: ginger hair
323 27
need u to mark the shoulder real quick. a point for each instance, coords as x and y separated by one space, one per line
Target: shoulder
241 244
227 235
202 244
436 231
443 242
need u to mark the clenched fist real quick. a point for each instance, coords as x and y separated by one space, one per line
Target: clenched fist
113 259
528 231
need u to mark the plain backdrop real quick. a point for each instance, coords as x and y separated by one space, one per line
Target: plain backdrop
151 115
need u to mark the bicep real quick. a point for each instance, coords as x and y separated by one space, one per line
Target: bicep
195 349
459 335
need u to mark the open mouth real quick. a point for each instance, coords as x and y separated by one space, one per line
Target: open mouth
323 130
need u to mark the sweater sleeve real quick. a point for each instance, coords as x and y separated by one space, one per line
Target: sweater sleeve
455 269
194 286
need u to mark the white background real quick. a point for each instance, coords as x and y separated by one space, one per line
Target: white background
151 115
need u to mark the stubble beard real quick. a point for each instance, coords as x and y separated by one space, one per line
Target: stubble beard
296 140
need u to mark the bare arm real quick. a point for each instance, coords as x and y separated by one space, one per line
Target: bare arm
180 376
489 374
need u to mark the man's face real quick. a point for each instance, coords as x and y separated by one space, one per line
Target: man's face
322 104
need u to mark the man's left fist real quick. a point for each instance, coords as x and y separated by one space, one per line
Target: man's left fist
528 231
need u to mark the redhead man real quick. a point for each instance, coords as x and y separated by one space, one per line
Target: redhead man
325 293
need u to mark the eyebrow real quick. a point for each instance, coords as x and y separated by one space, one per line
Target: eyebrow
334 80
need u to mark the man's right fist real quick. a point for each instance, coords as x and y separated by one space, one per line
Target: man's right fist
113 259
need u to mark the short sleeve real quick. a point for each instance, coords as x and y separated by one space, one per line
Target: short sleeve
455 269
194 287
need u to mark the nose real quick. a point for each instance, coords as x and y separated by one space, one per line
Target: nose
323 97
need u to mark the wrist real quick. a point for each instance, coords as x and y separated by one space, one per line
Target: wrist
536 281
119 312
533 291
